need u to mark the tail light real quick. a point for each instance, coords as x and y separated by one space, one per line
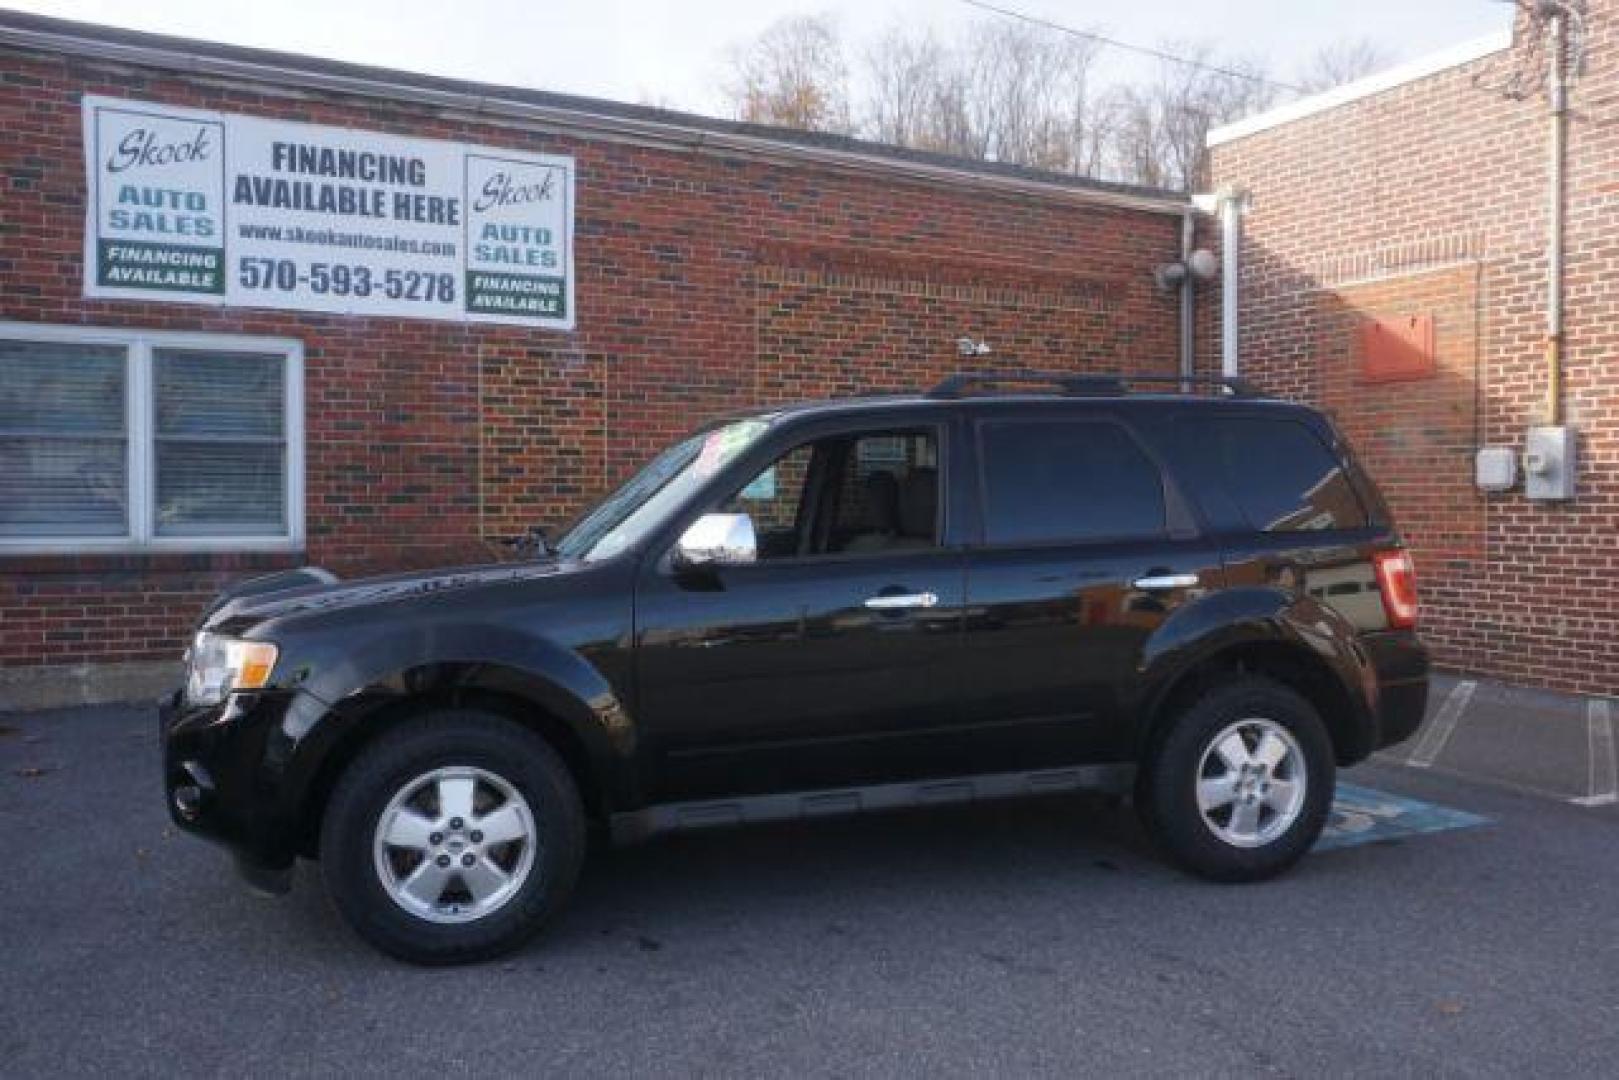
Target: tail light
1397 581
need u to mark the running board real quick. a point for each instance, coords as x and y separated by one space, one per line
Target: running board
638 825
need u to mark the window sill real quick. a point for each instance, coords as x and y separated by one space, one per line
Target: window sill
164 545
128 559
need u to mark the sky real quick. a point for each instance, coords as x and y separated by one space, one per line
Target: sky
674 53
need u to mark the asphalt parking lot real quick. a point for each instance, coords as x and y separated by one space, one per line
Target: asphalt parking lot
1034 938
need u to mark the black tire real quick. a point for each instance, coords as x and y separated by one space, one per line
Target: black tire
451 738
1167 788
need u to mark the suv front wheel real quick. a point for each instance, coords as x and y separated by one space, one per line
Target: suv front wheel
1241 784
455 836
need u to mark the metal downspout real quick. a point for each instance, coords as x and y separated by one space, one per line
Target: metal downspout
1557 93
1188 297
1231 200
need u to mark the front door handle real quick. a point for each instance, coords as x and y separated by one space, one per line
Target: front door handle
901 601
1154 582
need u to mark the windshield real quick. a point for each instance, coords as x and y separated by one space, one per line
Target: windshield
647 498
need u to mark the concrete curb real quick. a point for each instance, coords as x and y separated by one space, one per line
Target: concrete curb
62 685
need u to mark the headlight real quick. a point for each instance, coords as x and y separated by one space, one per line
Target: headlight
221 664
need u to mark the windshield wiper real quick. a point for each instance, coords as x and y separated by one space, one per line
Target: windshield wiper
532 544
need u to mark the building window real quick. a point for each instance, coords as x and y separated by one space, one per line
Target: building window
64 440
124 440
220 442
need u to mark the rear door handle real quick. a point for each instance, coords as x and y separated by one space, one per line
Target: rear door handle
1165 581
903 600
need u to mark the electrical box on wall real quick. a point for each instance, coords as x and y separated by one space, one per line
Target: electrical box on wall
1496 468
1548 463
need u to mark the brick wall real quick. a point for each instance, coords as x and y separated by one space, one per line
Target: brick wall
704 284
1430 198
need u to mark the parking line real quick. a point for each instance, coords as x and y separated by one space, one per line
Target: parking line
1604 788
1438 734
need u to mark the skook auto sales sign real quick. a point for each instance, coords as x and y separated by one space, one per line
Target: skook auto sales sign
212 208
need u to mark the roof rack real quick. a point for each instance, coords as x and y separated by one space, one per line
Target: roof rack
1090 385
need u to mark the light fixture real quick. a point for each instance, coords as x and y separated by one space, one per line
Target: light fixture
1202 264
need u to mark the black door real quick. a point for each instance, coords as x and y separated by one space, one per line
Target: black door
826 660
1086 552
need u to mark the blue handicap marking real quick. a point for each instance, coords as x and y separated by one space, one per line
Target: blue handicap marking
1364 816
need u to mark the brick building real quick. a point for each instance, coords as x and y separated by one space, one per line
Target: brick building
1394 269
156 447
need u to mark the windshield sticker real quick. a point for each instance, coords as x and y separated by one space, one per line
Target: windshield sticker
724 444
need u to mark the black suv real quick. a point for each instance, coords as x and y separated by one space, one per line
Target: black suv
843 606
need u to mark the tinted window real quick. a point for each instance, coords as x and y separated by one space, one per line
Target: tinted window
1280 474
1067 480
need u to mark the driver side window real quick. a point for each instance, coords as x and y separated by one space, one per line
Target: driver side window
775 501
847 495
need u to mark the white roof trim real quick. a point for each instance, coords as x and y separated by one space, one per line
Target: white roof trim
1420 68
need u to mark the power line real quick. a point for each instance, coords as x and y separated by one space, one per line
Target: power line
1157 54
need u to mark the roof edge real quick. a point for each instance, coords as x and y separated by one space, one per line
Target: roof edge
562 113
1397 76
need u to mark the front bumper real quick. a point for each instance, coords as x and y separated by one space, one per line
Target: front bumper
223 769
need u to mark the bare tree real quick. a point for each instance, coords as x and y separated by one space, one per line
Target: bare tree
654 99
1029 85
1012 91
1158 131
906 71
793 75
1341 62
951 125
1134 141
1191 100
1005 91
1084 121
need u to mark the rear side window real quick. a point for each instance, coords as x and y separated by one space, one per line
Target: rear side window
1070 480
1280 474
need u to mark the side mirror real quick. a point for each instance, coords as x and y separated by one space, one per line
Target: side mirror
717 540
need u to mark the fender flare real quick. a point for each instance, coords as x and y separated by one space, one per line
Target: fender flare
1234 621
343 701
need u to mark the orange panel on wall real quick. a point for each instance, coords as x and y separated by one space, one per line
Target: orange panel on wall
1397 348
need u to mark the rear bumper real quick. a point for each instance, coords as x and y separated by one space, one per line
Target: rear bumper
221 780
1400 662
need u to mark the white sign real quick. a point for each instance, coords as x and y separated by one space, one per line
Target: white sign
206 207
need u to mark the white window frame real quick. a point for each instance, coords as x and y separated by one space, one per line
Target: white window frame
141 446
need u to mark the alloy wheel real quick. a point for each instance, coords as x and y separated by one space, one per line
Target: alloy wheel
455 844
1251 782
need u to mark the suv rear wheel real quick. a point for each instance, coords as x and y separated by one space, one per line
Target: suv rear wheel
454 837
1240 785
